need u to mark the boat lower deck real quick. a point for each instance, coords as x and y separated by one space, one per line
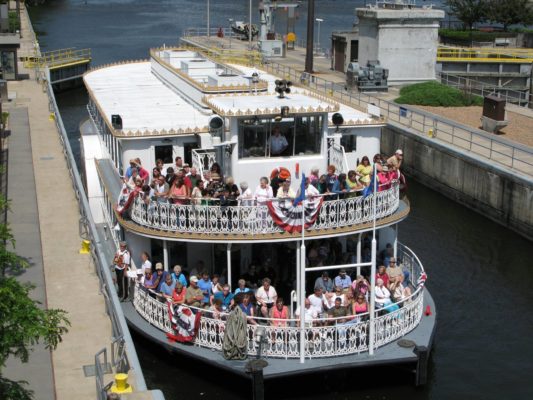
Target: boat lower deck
389 354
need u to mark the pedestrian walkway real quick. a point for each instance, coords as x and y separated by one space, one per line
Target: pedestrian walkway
45 220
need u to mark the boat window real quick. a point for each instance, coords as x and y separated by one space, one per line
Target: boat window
164 153
288 137
349 142
308 135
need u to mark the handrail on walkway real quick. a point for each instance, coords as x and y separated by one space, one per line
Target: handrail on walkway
113 308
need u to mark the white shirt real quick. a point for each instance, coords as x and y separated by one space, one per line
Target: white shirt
264 296
309 315
246 197
382 294
317 303
126 259
331 300
146 265
282 195
262 195
311 191
278 144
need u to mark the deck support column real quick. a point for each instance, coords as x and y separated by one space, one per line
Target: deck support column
395 245
165 256
372 330
228 258
359 253
298 271
301 298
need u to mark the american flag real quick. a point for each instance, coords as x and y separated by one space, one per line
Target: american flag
421 279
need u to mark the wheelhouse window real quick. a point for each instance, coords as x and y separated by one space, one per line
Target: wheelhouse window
349 142
164 153
285 138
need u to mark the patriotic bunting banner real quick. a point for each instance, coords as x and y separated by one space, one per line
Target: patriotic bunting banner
289 217
422 279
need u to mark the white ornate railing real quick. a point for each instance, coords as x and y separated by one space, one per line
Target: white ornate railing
202 160
337 157
324 341
254 220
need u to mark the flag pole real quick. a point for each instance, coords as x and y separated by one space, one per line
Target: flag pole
372 333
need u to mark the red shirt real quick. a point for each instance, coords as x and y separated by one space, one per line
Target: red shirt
179 298
384 277
187 182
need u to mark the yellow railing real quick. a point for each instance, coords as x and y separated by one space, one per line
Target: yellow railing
249 58
483 54
59 58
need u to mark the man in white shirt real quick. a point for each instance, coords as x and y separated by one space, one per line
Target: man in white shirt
266 297
278 142
122 261
318 302
310 314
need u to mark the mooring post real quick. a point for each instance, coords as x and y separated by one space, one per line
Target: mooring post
255 369
422 365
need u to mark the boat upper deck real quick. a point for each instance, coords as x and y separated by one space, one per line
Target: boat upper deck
146 105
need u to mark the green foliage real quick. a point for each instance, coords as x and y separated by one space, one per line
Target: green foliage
469 12
5 117
510 12
476 36
23 323
14 23
437 95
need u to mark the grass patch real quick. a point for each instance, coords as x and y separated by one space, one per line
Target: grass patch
437 95
5 116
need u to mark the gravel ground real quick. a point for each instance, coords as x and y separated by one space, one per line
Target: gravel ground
520 128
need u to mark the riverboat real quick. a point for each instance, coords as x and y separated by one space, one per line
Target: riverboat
183 103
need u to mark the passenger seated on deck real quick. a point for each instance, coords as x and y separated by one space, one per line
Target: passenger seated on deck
178 296
338 312
310 315
149 281
393 270
167 287
194 294
266 298
242 287
206 286
343 280
280 314
243 300
382 274
383 297
225 297
324 283
337 293
216 311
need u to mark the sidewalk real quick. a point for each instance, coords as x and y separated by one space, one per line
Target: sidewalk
71 283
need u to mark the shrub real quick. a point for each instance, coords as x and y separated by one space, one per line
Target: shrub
437 95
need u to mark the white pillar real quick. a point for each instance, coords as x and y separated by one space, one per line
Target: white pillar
165 256
359 253
372 331
208 20
228 257
396 243
250 28
298 271
301 293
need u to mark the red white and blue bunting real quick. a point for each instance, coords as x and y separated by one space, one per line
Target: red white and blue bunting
289 217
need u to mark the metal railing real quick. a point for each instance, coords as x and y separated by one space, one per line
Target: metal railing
484 54
256 219
475 141
519 97
127 356
332 339
58 57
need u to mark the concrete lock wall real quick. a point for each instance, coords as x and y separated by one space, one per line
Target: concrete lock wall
494 191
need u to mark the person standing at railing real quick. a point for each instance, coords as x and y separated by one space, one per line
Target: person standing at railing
178 192
194 177
206 286
364 171
194 294
340 187
246 197
285 191
331 178
396 160
352 182
384 182
122 262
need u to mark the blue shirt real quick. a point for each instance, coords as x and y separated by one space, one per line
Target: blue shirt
245 290
161 280
343 283
205 287
181 279
168 289
226 300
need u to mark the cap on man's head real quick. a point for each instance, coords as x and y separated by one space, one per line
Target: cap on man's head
159 266
194 279
399 151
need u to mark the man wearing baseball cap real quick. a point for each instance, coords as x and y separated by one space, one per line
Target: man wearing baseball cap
396 160
194 294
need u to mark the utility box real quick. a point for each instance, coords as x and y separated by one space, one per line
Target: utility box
373 77
493 118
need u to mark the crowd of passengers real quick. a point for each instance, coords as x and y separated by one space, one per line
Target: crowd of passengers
341 300
182 184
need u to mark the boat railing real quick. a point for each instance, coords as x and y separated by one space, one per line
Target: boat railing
335 337
256 219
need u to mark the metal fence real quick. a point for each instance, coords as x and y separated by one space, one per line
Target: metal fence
475 141
125 356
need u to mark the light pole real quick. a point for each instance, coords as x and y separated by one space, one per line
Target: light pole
208 25
250 28
230 20
319 20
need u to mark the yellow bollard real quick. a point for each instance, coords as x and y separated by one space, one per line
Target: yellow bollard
430 133
52 117
85 247
121 384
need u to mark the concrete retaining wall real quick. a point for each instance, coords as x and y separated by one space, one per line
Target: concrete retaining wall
494 191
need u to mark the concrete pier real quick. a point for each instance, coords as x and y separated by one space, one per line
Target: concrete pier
45 222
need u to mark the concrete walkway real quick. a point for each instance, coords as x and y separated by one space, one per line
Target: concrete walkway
71 283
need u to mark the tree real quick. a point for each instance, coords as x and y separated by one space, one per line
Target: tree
469 12
23 323
511 12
